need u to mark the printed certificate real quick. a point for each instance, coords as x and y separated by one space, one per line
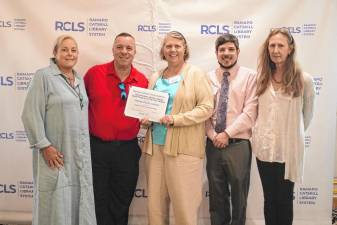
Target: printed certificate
145 103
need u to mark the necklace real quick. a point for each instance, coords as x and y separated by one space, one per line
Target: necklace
166 75
69 75
171 71
277 82
70 79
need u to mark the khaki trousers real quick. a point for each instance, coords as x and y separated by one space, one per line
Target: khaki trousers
176 180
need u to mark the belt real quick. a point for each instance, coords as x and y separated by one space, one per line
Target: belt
235 140
115 142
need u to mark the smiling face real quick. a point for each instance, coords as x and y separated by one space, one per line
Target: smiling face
124 50
227 54
173 51
279 49
66 54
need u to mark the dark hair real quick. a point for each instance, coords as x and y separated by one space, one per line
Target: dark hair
226 38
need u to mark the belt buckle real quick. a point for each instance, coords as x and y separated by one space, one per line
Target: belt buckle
233 140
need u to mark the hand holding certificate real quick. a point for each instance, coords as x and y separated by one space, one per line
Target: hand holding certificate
145 103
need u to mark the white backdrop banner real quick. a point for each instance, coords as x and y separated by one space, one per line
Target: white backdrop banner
28 30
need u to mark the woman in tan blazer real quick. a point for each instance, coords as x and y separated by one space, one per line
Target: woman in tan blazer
175 147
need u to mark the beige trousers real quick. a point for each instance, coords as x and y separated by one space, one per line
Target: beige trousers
176 180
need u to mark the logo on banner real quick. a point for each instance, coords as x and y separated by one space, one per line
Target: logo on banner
93 26
318 82
162 28
307 195
242 29
15 24
18 136
140 193
7 188
25 189
6 81
307 141
22 80
307 29
5 23
214 29
69 26
98 26
7 135
146 28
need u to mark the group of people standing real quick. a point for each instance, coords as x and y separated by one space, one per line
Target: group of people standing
86 154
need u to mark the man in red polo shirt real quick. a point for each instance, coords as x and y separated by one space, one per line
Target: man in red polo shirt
113 136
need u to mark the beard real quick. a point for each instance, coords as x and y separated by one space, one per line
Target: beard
228 67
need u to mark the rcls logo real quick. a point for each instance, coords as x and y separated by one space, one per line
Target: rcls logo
5 23
140 193
214 29
5 188
146 28
293 30
69 26
7 135
6 81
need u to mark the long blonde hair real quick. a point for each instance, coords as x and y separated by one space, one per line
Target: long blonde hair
292 80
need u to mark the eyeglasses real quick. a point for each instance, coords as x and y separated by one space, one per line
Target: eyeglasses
283 30
121 86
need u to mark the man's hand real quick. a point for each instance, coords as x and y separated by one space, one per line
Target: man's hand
53 157
220 140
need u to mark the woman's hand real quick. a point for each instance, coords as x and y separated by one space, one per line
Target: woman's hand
145 122
167 120
53 157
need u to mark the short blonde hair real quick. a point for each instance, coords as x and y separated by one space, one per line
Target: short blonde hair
179 36
59 41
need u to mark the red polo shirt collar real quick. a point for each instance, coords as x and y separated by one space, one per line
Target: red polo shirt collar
112 72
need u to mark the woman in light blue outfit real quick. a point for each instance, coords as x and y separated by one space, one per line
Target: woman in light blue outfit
55 119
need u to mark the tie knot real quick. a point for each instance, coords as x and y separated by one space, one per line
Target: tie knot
226 74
